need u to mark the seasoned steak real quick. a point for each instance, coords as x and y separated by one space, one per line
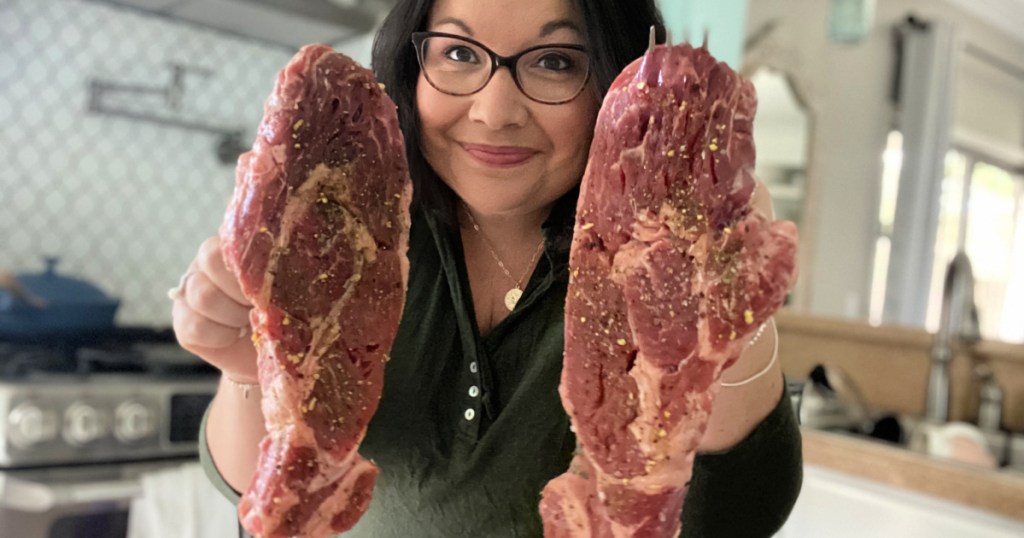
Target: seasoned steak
672 273
317 233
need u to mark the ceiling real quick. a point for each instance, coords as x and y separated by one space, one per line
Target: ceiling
287 23
293 23
1007 15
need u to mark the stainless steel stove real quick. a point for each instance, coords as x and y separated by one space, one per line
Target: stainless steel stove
80 425
99 418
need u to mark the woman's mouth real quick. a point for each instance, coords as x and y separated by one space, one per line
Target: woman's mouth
499 156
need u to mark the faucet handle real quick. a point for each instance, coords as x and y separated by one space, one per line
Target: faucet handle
990 398
970 330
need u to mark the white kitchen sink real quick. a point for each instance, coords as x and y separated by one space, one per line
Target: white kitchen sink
839 505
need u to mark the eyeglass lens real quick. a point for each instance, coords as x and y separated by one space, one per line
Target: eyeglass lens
459 67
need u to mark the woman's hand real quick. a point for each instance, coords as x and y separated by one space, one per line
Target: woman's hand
738 410
211 315
761 200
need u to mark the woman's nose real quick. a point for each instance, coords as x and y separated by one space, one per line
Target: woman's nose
499 104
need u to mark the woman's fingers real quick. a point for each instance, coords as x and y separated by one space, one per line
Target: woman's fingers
210 261
196 330
211 315
223 347
208 300
761 200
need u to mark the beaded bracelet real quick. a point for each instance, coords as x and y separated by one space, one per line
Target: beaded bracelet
768 367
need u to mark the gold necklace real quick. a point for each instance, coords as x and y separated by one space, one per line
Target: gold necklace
513 295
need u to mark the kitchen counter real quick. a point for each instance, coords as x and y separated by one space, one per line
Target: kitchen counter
999 492
890 364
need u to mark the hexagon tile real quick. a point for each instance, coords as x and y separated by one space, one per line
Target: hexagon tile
123 203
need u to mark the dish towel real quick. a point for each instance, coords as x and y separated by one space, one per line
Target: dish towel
181 503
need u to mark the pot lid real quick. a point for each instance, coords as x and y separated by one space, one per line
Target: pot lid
54 288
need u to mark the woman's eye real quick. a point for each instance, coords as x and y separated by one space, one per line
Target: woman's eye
554 62
460 54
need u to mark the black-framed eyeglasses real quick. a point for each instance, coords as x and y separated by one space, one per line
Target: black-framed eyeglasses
456 65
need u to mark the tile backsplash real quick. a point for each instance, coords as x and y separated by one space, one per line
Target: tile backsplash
124 203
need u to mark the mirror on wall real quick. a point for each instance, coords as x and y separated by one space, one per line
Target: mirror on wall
781 135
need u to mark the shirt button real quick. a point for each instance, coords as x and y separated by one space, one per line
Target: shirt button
474 391
472 367
469 414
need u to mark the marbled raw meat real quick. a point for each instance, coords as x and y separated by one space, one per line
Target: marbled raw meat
672 273
317 232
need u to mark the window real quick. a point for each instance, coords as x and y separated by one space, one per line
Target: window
991 231
981 211
892 165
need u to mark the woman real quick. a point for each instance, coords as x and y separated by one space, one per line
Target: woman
470 426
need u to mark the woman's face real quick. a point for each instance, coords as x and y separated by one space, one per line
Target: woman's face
501 152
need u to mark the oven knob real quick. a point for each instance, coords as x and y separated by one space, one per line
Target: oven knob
133 421
31 425
84 424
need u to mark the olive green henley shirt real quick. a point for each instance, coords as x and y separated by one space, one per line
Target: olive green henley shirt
470 428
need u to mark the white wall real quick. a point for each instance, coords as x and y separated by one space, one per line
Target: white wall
124 203
990 102
848 88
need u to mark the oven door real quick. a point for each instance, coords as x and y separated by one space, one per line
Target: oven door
71 502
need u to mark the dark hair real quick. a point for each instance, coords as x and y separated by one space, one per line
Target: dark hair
616 33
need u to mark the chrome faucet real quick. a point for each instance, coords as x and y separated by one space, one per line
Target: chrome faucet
959 320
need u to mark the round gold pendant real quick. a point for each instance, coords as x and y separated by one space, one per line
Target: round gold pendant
512 297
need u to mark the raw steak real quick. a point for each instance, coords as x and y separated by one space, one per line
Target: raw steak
672 273
317 233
